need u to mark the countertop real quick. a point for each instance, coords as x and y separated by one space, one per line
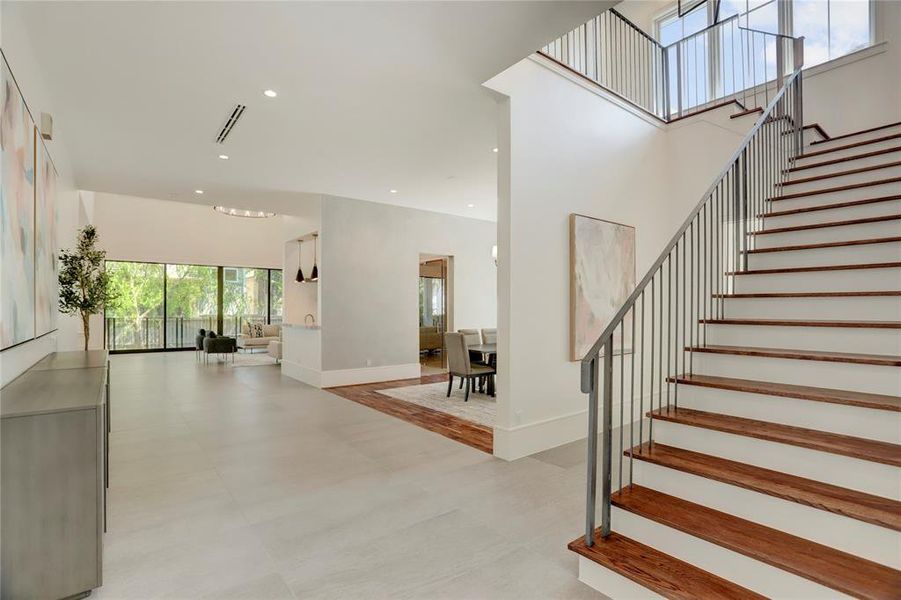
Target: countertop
56 386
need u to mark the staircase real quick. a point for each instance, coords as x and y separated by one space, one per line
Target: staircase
768 460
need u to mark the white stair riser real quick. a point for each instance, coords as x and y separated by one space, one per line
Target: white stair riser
862 539
875 379
873 308
867 161
865 476
838 233
819 281
834 339
738 568
870 191
823 416
883 173
861 211
891 143
612 585
853 139
839 255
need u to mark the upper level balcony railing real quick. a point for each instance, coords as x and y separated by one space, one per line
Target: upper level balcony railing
725 62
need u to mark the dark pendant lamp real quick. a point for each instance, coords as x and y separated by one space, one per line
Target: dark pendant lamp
314 276
299 278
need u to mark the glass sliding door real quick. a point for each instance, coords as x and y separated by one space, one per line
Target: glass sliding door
191 302
245 298
276 295
134 320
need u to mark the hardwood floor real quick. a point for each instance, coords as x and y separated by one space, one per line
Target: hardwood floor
455 428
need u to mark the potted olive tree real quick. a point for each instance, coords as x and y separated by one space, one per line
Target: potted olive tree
83 282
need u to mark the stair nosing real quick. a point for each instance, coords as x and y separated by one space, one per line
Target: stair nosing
853 133
829 494
848 146
836 161
778 295
838 244
848 267
800 437
794 354
805 323
840 188
657 560
821 207
783 547
829 224
794 391
841 173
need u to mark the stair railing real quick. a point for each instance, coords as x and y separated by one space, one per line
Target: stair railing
636 362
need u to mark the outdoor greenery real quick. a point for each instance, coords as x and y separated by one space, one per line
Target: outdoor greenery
84 287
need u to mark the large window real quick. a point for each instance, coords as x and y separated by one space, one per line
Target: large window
162 306
831 28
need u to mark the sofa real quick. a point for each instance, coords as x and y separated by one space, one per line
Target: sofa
249 339
430 339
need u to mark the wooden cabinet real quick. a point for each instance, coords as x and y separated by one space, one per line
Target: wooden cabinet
53 477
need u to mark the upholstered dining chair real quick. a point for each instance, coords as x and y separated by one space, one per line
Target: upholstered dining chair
459 365
473 338
489 336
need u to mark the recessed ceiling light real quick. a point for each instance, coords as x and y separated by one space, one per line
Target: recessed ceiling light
393 191
470 205
198 191
494 150
223 156
270 93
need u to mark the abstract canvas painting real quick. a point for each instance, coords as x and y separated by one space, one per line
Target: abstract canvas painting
46 290
602 275
16 215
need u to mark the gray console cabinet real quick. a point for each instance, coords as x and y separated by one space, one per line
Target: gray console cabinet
53 477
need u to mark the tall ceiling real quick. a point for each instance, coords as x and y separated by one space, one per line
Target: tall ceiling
372 96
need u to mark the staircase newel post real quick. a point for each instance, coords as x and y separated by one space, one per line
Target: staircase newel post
607 438
590 387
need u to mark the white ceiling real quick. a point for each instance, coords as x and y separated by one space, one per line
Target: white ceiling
372 96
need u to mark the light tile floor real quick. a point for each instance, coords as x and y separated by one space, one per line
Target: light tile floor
236 482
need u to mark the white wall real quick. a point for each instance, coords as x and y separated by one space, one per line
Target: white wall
73 212
145 229
567 147
369 265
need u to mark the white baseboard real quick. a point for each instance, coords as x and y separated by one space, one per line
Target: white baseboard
370 374
301 373
522 440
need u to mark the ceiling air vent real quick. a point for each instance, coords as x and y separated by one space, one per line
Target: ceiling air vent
230 123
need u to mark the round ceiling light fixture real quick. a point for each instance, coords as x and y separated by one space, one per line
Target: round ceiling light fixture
241 212
198 191
270 93
393 191
494 150
223 156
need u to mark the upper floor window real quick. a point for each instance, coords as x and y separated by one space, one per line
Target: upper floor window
831 28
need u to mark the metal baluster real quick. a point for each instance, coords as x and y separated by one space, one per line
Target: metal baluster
651 399
632 397
641 371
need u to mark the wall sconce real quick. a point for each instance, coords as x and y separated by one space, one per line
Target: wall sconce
494 254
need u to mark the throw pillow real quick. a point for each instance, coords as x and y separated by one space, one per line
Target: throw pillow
256 330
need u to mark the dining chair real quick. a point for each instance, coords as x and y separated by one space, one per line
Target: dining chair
473 338
459 365
489 336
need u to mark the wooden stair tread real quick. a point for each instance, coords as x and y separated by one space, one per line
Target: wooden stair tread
822 441
852 294
827 224
749 111
877 140
851 267
820 207
841 323
787 390
836 161
842 173
824 565
853 133
839 244
838 188
657 571
876 510
884 360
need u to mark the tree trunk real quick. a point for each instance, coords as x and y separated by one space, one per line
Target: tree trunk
86 324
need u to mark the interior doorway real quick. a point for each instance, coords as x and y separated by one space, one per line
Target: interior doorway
435 314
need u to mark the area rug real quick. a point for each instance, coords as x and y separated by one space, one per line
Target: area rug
480 409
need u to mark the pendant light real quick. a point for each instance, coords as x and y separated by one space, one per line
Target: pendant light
299 278
314 276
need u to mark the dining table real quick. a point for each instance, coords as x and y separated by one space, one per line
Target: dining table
489 352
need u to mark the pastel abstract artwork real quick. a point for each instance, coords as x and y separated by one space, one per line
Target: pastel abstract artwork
602 275
16 215
46 289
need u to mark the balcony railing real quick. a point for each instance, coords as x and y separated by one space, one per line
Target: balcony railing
155 333
723 63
